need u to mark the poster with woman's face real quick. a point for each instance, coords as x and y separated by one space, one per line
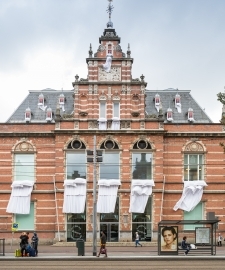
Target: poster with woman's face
169 236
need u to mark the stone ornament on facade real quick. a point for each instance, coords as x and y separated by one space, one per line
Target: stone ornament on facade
24 147
76 125
142 125
194 147
93 124
113 75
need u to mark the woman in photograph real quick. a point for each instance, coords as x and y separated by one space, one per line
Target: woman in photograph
169 235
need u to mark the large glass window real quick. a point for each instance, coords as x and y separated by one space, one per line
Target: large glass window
193 167
76 164
26 222
24 167
109 168
142 222
76 227
195 214
142 165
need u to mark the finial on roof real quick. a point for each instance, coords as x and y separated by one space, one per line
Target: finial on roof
90 51
109 10
128 51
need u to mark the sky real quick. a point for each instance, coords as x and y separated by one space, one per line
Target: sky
174 43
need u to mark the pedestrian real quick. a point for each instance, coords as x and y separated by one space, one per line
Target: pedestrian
103 249
23 243
185 245
219 240
34 243
137 238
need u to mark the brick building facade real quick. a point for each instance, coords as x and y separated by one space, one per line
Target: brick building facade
160 135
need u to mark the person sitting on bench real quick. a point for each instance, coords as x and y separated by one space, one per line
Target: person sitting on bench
185 246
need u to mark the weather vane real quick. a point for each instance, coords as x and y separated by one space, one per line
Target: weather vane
109 10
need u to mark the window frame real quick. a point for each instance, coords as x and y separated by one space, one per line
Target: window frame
15 173
116 110
140 151
77 152
198 167
102 111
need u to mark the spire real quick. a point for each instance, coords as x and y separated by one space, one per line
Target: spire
128 51
109 10
90 51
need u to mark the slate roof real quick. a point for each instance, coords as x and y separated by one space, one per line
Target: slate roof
166 97
50 100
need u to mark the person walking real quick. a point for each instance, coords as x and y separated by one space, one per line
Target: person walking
219 240
34 243
185 245
103 249
137 238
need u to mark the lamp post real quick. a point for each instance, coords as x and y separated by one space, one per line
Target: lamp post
94 203
94 157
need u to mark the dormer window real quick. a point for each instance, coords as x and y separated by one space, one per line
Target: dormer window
169 115
49 114
62 101
178 103
28 115
157 102
41 102
191 115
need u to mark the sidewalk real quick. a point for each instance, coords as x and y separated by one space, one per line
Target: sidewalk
49 252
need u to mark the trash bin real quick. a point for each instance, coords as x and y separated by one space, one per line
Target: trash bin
80 247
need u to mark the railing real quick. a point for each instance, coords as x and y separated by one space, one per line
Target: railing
2 247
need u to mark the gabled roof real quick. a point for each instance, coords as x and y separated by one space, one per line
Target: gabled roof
50 100
167 98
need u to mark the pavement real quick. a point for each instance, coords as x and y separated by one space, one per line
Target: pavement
52 252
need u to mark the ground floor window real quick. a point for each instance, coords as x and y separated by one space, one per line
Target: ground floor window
26 222
76 227
109 224
142 223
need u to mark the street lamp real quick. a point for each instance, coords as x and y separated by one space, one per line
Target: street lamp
94 156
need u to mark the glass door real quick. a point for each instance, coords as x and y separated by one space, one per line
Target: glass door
111 231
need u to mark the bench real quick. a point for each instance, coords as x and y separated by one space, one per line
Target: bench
200 250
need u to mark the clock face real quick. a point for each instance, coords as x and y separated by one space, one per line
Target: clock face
113 75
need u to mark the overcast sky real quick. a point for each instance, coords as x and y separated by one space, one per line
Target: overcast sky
174 43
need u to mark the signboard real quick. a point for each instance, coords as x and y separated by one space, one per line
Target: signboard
168 240
15 227
202 235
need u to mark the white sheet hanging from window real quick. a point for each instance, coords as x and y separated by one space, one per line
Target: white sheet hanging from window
74 195
19 202
115 123
102 123
191 196
107 194
108 62
140 191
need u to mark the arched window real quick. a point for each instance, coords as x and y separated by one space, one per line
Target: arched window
110 167
76 159
194 162
142 160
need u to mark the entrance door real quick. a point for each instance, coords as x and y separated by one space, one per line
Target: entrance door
111 231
